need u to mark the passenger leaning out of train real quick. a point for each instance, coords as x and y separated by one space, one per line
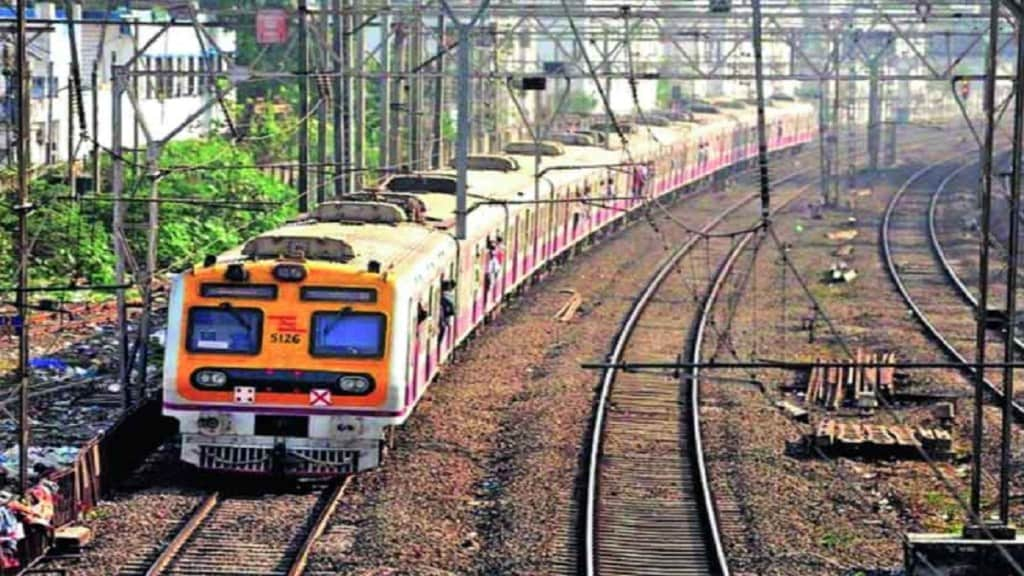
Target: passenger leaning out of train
495 258
447 307
639 180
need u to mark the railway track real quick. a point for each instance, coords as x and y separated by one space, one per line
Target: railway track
648 502
997 288
947 314
648 506
231 534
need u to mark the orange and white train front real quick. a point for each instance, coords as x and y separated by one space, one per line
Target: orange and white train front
280 366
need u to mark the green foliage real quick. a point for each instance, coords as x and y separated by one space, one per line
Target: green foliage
68 241
664 94
71 239
580 103
836 540
188 231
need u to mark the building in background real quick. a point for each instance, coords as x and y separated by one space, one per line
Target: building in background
165 101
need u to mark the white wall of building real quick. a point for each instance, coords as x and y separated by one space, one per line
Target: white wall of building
164 106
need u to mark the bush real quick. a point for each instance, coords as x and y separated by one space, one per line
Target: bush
188 232
72 240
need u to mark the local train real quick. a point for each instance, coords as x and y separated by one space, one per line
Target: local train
299 351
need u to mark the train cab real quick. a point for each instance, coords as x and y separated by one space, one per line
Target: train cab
282 355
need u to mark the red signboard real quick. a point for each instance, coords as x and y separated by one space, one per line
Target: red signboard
271 26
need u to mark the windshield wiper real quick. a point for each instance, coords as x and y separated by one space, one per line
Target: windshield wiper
238 317
341 314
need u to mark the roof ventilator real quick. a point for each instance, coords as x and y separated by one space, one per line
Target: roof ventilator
271 247
574 139
544 148
421 183
490 162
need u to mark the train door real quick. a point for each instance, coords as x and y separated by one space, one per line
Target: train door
513 245
563 214
548 226
476 294
420 313
533 227
434 318
412 352
448 316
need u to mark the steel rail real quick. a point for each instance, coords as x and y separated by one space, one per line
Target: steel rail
302 557
707 495
955 279
887 253
608 378
201 513
621 340
614 358
296 564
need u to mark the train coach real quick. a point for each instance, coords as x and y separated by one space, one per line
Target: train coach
297 352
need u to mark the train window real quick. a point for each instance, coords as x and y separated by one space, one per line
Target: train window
347 334
225 330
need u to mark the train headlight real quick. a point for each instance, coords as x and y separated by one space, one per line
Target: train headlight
290 272
354 384
211 378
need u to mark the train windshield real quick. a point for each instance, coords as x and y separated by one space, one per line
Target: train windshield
347 334
225 330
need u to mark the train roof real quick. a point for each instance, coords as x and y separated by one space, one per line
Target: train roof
390 242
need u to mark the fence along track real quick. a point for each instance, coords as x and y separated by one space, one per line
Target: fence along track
217 538
657 513
913 237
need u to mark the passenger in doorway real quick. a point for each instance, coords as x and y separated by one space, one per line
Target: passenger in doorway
495 258
447 308
640 174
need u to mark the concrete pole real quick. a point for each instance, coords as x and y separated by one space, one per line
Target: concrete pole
70 156
416 90
117 190
397 85
322 182
851 127
607 90
152 243
96 173
303 107
24 165
50 93
874 116
834 133
136 120
437 140
462 140
890 142
383 134
825 164
337 95
346 96
359 138
9 98
762 137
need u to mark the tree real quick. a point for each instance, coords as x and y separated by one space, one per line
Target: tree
580 103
